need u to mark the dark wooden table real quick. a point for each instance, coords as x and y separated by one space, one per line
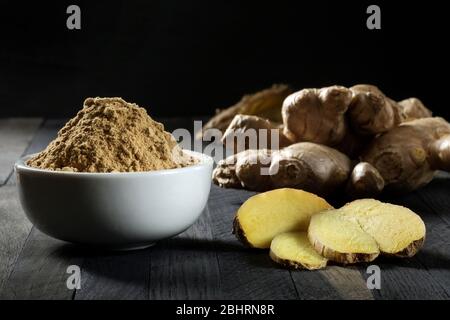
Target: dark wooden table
206 261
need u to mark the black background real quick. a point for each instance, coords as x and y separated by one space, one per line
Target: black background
181 58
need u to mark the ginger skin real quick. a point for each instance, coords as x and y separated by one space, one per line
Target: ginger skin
252 170
413 108
439 154
408 155
265 215
224 175
365 181
266 104
371 112
316 115
244 129
396 142
365 228
303 231
400 167
294 251
308 166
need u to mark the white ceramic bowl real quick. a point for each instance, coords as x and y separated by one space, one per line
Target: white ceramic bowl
114 210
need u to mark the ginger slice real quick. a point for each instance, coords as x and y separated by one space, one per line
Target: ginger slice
397 230
340 239
363 229
267 214
293 250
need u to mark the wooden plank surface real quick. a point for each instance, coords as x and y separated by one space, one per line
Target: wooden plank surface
37 264
15 136
14 229
40 271
186 266
347 282
206 261
114 275
433 204
425 276
244 273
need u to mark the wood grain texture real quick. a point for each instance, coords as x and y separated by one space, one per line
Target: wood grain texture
186 266
436 253
426 275
347 282
14 229
436 196
206 261
244 273
313 285
114 276
40 271
407 279
433 205
15 136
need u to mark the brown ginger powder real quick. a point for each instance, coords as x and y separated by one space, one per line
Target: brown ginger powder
111 135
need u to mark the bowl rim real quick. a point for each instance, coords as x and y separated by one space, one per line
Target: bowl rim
204 161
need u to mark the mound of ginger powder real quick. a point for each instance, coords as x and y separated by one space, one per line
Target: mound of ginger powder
111 135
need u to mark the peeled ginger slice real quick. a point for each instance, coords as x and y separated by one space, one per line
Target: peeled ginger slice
293 250
397 230
340 239
268 214
364 228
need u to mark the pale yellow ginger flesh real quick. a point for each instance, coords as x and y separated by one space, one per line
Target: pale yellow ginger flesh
394 228
268 214
293 250
340 239
363 229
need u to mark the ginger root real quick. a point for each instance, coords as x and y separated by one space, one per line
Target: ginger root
308 166
399 143
439 153
397 230
371 112
252 170
365 181
247 169
268 214
341 240
358 232
224 175
408 155
266 104
316 115
362 229
253 132
413 108
293 250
